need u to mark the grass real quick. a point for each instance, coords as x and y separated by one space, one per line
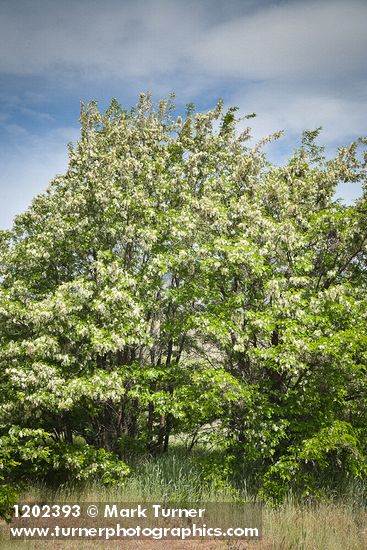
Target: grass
340 523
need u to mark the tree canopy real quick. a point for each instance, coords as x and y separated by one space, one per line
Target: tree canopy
173 280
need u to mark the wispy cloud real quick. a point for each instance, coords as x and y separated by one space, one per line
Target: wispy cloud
290 40
97 39
28 166
297 64
143 38
294 109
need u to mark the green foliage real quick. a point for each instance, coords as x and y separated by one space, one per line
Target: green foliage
173 280
333 447
32 454
8 497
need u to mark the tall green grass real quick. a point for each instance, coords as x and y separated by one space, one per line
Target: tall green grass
337 523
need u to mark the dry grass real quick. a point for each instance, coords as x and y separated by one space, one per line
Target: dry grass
340 524
321 527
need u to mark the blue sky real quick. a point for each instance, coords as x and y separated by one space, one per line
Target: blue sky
298 64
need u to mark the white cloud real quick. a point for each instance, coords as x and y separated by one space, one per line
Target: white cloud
145 38
291 40
125 39
295 109
29 167
297 64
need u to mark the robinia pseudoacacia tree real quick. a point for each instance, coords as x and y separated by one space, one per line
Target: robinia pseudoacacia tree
174 278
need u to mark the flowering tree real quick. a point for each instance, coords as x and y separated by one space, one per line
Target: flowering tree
174 278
